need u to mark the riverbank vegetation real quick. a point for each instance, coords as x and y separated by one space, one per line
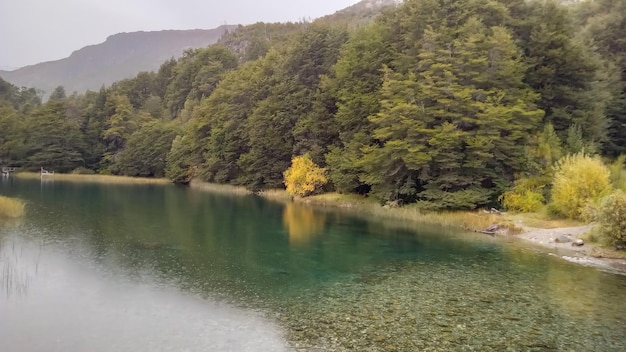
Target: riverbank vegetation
94 178
434 105
11 208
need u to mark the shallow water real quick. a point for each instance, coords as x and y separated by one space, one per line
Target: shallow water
145 267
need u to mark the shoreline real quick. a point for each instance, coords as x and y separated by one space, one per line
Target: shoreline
95 178
587 255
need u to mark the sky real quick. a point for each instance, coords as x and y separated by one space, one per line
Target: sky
33 31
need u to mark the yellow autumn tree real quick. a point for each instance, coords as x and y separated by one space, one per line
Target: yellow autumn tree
304 177
578 180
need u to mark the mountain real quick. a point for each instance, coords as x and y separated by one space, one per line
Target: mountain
362 12
121 56
126 54
253 41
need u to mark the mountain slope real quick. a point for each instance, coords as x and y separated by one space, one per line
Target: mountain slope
126 54
120 56
253 41
362 12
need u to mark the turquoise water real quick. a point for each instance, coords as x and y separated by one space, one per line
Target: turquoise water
147 267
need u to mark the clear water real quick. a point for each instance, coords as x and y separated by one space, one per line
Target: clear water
161 268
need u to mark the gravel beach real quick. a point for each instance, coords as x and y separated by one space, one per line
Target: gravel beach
548 238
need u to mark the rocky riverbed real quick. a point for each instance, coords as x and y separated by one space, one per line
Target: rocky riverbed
434 306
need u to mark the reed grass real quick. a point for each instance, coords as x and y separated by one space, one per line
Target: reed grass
219 188
280 195
11 208
542 218
110 179
466 220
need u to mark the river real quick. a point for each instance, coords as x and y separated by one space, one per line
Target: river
113 267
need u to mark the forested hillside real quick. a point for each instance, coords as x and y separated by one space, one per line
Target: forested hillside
437 102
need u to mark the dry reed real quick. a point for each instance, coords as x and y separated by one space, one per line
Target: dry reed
467 220
11 208
94 178
218 188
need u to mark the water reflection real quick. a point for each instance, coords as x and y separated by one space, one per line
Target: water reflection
78 305
575 293
147 263
18 267
302 223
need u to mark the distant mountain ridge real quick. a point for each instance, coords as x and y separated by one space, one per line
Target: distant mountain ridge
122 55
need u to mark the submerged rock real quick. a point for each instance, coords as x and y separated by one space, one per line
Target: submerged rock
492 228
564 239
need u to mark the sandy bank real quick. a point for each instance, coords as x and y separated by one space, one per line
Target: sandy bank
585 255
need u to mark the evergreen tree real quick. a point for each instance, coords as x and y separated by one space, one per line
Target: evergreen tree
53 141
355 83
221 122
563 71
196 74
272 125
145 152
604 28
453 134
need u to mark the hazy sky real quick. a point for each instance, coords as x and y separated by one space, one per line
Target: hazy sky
33 31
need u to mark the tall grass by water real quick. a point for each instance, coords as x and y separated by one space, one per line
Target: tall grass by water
11 208
110 179
219 188
467 220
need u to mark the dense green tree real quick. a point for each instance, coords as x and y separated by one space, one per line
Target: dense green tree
453 134
563 71
182 159
252 42
137 89
22 99
52 140
11 136
196 74
355 83
119 125
58 93
221 120
146 150
272 125
604 28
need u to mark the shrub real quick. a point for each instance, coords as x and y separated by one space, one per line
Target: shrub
612 218
303 178
618 173
578 179
83 171
180 160
11 207
525 196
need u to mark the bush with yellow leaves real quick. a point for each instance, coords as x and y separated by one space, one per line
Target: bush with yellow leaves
525 196
612 218
578 180
304 177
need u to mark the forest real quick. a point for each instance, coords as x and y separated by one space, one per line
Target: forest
443 103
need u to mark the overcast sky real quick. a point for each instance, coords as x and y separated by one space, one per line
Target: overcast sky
33 31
